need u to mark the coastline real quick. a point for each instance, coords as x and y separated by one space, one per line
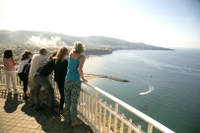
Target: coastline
92 76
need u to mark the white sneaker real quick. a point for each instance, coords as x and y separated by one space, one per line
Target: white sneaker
9 91
16 92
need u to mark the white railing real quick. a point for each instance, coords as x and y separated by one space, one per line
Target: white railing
103 117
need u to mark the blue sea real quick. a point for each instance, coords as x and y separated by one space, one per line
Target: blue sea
168 81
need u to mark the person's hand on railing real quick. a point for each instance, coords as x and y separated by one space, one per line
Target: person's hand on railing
84 80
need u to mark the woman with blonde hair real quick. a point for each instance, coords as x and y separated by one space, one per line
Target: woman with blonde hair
25 59
9 69
60 71
73 80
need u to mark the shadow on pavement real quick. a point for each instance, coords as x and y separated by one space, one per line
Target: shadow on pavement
52 122
11 103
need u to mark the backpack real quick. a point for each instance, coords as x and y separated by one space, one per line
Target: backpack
27 68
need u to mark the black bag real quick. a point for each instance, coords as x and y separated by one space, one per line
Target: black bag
27 68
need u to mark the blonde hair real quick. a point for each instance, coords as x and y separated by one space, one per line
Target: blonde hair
78 47
61 54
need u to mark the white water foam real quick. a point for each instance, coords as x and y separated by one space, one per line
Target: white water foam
151 88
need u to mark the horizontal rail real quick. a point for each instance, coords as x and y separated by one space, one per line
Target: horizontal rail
133 110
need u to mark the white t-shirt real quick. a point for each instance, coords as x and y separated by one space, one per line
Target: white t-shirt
36 61
22 64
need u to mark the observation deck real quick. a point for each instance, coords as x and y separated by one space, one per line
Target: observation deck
100 111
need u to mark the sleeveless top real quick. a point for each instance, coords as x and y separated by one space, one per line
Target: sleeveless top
8 64
72 72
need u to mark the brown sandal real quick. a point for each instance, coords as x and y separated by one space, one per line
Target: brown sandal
76 123
67 121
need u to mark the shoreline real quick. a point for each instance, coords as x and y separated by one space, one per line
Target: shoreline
92 76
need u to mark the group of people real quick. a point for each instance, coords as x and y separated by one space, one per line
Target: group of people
68 74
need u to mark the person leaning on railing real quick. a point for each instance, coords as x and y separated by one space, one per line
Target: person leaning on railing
73 78
36 61
9 69
60 71
25 59
41 80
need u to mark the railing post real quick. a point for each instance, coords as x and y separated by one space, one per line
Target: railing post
104 118
96 104
100 113
92 114
85 103
89 108
115 117
129 129
82 102
150 128
109 119
122 124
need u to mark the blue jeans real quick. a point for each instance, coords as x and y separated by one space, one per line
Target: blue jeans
40 81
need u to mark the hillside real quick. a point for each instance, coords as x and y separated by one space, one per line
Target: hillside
50 39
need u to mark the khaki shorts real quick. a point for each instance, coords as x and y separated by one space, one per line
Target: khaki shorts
31 83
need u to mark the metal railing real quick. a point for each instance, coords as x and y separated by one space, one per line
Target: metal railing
101 111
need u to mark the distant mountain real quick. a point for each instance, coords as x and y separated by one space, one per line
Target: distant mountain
50 39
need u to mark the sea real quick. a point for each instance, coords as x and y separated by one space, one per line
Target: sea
163 84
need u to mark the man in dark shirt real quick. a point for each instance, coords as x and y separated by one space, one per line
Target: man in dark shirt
41 79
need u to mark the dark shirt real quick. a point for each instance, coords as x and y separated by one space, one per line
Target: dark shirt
60 71
46 68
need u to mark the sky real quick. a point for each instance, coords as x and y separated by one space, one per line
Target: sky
164 23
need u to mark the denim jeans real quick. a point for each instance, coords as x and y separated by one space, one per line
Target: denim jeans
40 81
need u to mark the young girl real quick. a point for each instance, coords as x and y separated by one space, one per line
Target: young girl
25 59
9 69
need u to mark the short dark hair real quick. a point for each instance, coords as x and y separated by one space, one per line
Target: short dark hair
42 50
8 53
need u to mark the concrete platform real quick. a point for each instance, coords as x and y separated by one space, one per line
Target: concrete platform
17 117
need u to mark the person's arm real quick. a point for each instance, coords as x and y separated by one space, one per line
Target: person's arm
80 68
13 61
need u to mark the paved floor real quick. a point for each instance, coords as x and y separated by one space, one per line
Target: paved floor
17 117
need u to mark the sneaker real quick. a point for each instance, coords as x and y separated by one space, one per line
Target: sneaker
9 91
16 92
76 123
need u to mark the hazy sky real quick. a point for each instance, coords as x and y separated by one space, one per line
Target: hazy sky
166 23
